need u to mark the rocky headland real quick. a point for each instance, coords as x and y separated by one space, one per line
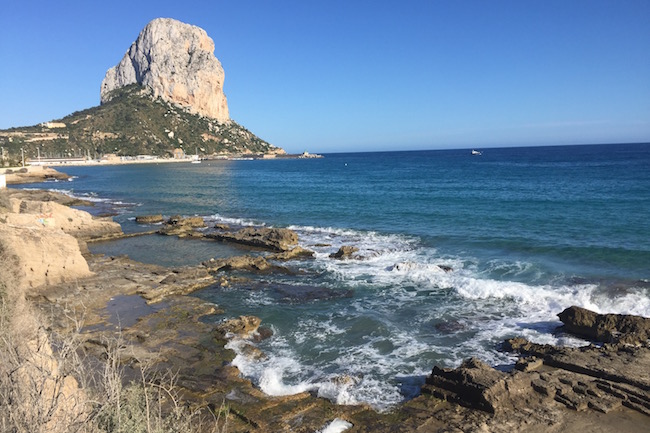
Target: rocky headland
164 98
176 62
603 386
14 176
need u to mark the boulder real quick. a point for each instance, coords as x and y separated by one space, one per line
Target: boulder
344 252
243 326
607 328
273 239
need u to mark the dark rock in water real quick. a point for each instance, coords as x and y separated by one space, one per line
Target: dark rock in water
344 252
299 294
149 219
273 239
263 333
446 268
450 327
607 328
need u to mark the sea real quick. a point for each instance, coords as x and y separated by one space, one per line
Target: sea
456 252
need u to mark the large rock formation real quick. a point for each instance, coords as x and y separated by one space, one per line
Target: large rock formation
607 328
176 62
273 239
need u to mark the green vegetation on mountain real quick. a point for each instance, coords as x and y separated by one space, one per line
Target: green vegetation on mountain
132 123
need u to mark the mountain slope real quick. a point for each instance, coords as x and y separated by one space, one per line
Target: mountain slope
133 122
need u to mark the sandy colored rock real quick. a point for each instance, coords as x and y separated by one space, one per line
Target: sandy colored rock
242 327
294 253
176 62
51 214
33 175
39 254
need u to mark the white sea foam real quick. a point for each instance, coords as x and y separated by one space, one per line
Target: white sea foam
243 222
403 291
336 426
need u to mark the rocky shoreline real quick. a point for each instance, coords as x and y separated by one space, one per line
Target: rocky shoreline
601 387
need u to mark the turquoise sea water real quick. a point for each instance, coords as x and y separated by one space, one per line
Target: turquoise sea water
527 232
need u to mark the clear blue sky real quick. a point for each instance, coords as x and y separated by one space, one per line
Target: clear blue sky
363 75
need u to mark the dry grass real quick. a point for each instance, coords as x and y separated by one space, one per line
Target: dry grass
47 384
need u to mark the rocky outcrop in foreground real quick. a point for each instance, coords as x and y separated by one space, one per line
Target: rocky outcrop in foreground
33 175
41 239
176 62
606 328
597 379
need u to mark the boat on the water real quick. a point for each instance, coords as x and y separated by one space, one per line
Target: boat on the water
476 152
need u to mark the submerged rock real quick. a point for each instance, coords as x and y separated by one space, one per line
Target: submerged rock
290 293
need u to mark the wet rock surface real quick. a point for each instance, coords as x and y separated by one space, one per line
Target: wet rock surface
607 328
272 239
345 252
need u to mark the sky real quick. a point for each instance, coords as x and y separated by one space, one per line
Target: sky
336 76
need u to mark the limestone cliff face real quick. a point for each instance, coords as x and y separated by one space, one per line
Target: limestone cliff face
176 62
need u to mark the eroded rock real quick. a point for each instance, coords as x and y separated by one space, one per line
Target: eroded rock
248 263
273 239
243 326
608 328
344 252
474 384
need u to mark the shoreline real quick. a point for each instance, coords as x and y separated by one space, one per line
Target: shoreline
168 313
